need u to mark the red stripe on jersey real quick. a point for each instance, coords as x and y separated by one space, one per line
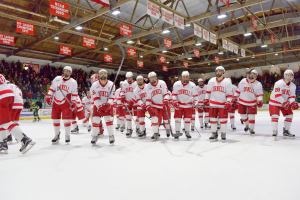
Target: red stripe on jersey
273 101
238 92
51 90
216 103
18 104
9 91
208 92
96 98
292 97
247 101
278 95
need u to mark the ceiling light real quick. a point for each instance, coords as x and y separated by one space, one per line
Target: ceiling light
247 68
166 31
141 56
203 74
276 54
253 56
189 58
221 53
208 63
247 34
105 48
221 16
130 42
56 37
116 11
264 46
164 51
237 59
187 25
198 44
78 28
168 62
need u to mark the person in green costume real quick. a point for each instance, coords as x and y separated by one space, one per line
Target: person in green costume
35 108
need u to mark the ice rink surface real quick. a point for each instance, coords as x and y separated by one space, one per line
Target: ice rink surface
244 167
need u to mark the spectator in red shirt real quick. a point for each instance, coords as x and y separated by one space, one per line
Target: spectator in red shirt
29 94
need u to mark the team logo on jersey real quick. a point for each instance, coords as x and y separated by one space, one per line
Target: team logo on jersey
103 93
94 93
184 92
129 89
64 88
143 95
202 92
218 89
286 92
156 92
248 89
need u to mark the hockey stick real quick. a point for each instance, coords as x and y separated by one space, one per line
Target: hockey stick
198 106
123 57
126 108
134 110
173 135
196 129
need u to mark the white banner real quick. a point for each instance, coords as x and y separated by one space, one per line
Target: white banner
213 38
167 16
205 35
197 30
235 49
230 46
225 44
243 53
153 10
179 21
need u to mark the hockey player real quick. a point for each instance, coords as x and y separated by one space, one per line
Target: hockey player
79 113
250 95
87 104
185 96
283 99
156 100
120 111
126 96
103 92
9 115
201 90
35 108
140 95
231 111
218 96
64 91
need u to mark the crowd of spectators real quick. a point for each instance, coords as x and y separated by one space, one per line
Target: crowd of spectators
34 84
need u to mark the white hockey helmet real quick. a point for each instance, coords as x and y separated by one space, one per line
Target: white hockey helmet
200 80
220 68
139 77
129 74
151 74
185 73
102 70
254 72
288 71
68 68
2 79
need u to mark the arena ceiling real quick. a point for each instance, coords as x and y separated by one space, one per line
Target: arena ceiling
280 18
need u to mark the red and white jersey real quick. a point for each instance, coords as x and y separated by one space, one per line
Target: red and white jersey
5 91
68 87
87 102
102 92
140 95
217 92
201 93
18 102
127 90
156 94
185 94
283 92
118 97
247 96
79 104
170 95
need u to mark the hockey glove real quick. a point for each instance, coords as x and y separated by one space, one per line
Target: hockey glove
175 104
123 100
206 102
73 107
48 99
106 107
166 102
294 105
143 106
259 103
227 105
286 105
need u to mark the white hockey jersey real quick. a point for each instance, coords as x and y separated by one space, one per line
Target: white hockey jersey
184 94
201 93
79 104
283 92
117 99
246 95
5 91
218 92
102 92
68 87
87 102
18 102
140 95
156 94
127 90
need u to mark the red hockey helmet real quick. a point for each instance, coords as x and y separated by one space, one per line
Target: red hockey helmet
2 79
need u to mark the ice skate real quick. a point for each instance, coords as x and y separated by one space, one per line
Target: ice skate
75 130
168 132
201 126
56 139
287 134
94 139
137 130
111 139
129 133
67 139
252 132
192 128
89 128
122 128
214 137
34 120
275 133
155 136
246 128
142 134
177 137
233 127
9 139
223 137
117 127
242 122
188 136
27 144
3 147
207 125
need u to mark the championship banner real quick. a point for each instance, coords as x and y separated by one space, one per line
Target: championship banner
125 30
165 68
7 39
140 64
65 50
167 16
230 46
153 10
131 52
225 44
162 59
226 2
284 49
213 38
197 30
24 27
185 64
108 58
235 49
243 53
273 39
254 23
168 43
179 21
88 42
59 9
217 59
197 53
205 35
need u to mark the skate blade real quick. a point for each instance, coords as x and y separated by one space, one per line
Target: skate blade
100 136
199 136
29 146
287 137
213 140
57 142
3 152
275 138
223 141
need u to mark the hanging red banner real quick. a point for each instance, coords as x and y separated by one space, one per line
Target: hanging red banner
108 58
185 64
88 42
168 43
217 59
7 39
165 68
131 52
125 30
162 59
273 39
197 53
24 27
254 23
59 9
140 63
65 50
284 49
226 2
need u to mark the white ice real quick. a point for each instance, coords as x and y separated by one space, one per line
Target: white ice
244 167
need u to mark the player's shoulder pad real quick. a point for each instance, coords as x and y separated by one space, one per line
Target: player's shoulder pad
192 84
177 83
57 78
